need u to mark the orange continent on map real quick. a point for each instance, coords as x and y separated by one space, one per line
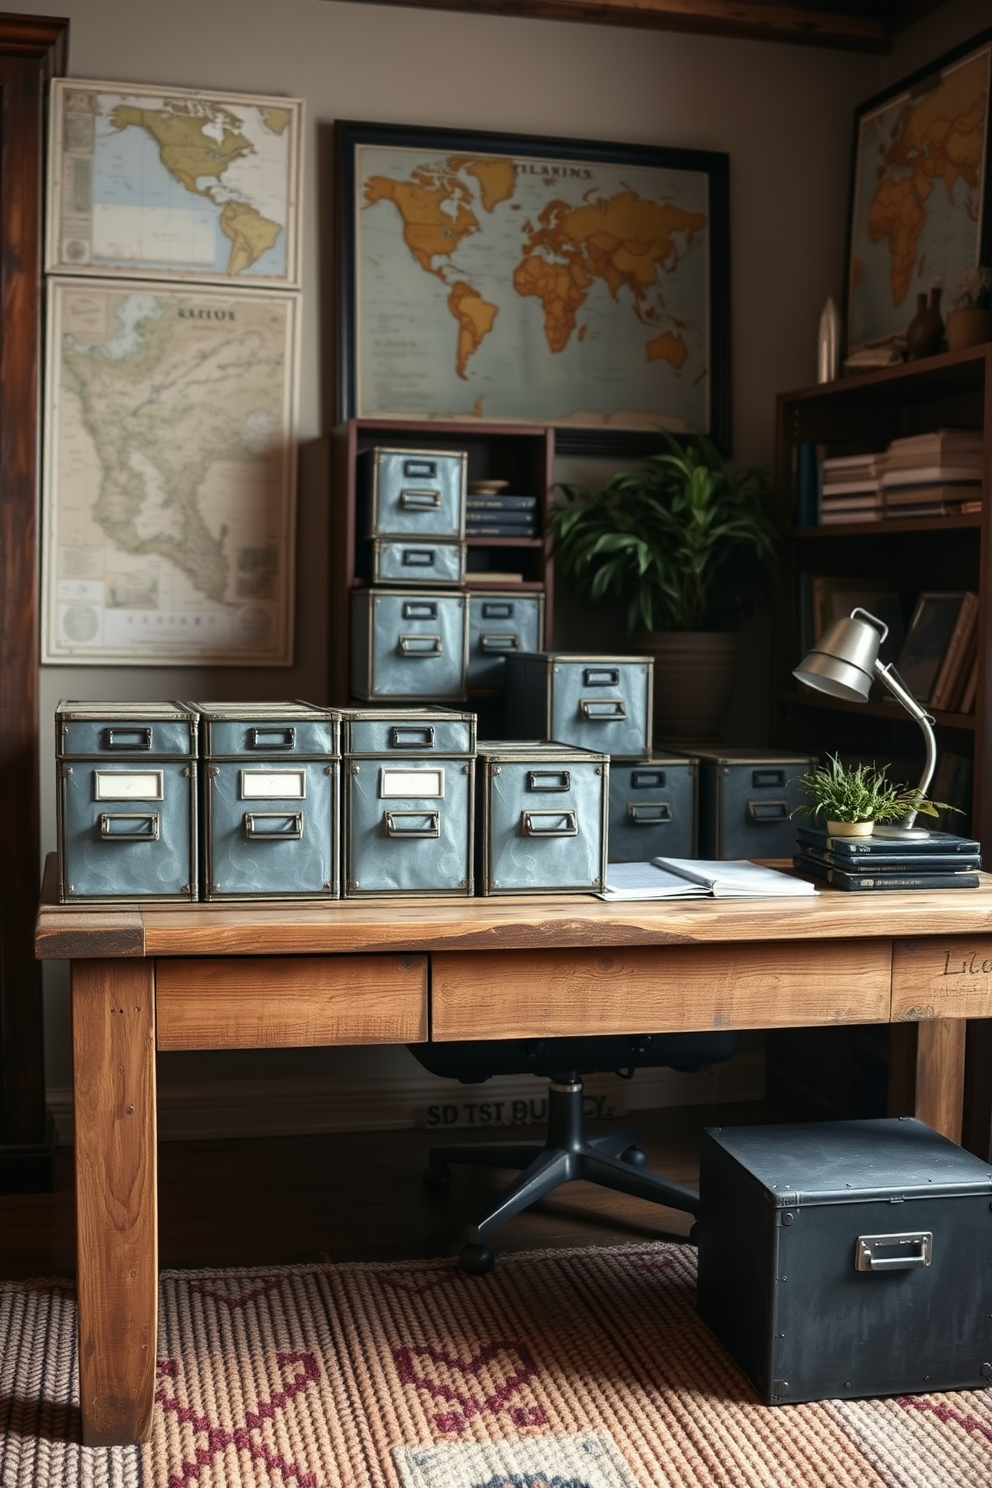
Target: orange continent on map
475 318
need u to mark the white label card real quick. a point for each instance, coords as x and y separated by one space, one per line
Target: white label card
273 785
420 783
128 785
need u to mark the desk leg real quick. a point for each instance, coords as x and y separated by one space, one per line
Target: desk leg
113 1034
926 1074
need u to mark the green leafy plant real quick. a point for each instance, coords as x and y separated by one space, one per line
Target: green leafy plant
685 543
861 793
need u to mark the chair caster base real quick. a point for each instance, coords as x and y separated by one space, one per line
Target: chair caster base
477 1260
636 1156
436 1176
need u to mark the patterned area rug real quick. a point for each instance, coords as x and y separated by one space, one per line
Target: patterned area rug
563 1369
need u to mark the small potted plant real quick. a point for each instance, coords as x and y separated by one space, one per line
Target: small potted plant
969 320
851 799
683 543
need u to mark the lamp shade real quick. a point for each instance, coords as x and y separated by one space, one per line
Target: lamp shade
842 661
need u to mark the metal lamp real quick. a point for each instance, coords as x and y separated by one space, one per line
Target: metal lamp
843 663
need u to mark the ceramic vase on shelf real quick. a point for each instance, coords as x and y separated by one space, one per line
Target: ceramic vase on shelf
925 331
828 343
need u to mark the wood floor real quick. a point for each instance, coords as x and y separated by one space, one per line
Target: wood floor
297 1200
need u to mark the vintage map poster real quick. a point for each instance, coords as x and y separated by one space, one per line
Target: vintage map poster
920 173
170 474
157 182
521 290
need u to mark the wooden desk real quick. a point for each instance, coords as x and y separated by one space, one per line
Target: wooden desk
269 976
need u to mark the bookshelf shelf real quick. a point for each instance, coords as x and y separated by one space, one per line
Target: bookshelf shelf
876 530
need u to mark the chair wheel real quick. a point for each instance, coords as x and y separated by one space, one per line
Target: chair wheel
636 1156
478 1260
436 1176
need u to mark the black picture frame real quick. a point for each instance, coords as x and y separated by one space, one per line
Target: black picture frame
707 174
927 639
916 264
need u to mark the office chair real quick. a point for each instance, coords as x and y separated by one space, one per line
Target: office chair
614 1160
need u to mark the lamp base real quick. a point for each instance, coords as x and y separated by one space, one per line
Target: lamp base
901 834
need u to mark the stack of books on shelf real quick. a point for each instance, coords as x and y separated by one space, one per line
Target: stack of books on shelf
933 475
492 511
851 489
857 864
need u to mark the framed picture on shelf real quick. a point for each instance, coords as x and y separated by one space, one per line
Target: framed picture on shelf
927 639
921 206
513 279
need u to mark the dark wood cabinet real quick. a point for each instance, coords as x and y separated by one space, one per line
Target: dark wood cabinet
32 50
523 456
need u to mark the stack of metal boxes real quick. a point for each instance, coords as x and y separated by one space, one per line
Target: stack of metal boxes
409 781
127 817
410 640
271 800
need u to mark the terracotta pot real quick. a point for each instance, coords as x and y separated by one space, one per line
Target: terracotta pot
925 331
968 328
850 829
693 682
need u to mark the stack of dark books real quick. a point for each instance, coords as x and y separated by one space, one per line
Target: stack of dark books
940 861
500 514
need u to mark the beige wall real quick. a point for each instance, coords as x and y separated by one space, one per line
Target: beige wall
784 114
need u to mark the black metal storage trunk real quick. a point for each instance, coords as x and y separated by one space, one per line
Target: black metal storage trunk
846 1258
746 800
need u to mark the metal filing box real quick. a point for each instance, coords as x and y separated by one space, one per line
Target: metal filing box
595 702
652 808
542 809
411 493
408 645
126 800
391 560
409 786
846 1258
746 797
497 625
271 800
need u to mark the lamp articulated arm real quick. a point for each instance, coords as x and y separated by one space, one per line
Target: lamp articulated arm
890 678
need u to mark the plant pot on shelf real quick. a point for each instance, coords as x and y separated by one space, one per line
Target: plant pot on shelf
968 328
693 682
850 829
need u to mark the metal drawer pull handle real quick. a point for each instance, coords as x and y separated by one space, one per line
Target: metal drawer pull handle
135 738
408 737
601 676
549 780
762 779
649 813
420 500
274 826
912 1251
421 645
418 558
491 643
493 609
271 738
129 826
415 609
767 811
412 823
602 711
647 779
420 469
549 824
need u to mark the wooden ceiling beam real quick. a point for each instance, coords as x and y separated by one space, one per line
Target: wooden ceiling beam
751 19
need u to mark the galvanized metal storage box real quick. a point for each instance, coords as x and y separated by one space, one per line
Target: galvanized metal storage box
392 560
542 818
652 808
409 787
595 702
846 1258
408 645
499 624
271 800
126 801
411 493
746 797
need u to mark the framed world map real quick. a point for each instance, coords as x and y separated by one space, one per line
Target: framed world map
920 210
505 279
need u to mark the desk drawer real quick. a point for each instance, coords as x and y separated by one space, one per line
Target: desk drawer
261 1002
670 989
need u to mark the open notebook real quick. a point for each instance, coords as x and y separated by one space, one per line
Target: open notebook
698 878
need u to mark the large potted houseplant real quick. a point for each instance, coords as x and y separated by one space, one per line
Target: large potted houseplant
684 544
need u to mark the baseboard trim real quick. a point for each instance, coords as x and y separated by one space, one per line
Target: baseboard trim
312 1107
